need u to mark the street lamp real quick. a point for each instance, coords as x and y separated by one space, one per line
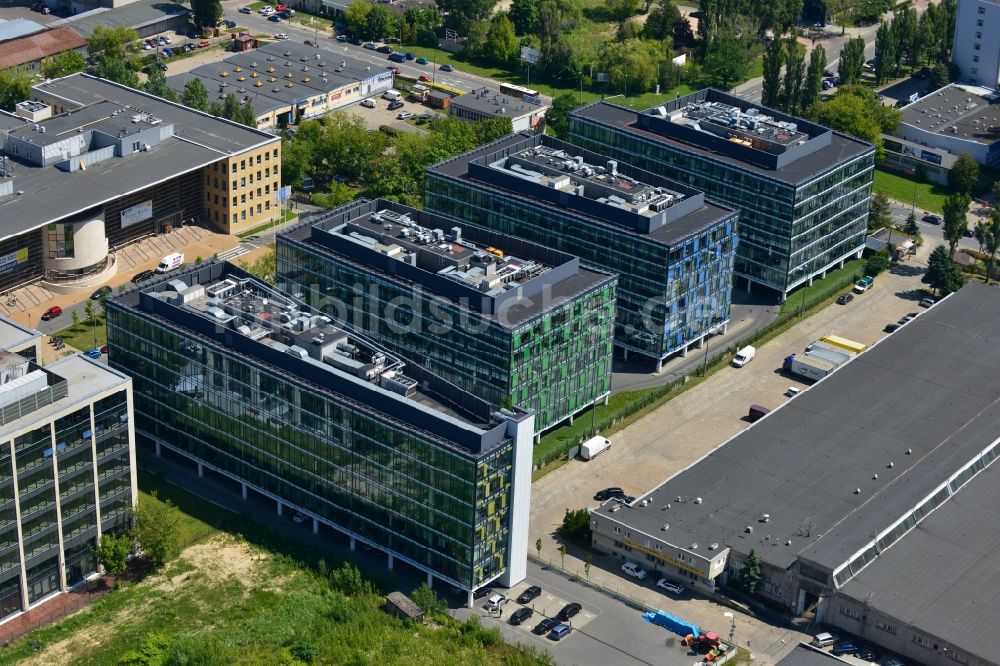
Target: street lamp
732 626
710 332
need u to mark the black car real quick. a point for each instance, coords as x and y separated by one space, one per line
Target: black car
520 615
545 626
845 299
568 612
395 105
529 595
384 49
100 293
931 219
447 68
356 41
482 592
608 493
867 654
968 233
143 276
891 328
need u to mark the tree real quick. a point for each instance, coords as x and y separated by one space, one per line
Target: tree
475 42
562 554
996 191
377 22
491 129
557 117
206 12
501 41
943 274
64 64
88 309
113 41
771 91
795 67
991 241
156 84
538 547
836 13
878 262
524 15
462 13
856 111
911 227
246 115
964 175
619 10
356 17
230 107
879 212
814 77
587 564
728 57
938 78
852 61
75 316
750 575
780 15
576 526
112 553
631 64
154 525
661 21
955 222
195 95
15 87
115 68
885 53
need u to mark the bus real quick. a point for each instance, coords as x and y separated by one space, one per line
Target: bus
844 343
519 92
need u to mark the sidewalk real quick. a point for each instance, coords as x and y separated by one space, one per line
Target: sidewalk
55 608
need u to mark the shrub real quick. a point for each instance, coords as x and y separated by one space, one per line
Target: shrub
305 651
428 600
348 580
576 526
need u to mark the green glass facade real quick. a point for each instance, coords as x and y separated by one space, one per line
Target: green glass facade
62 477
788 231
668 294
362 471
554 364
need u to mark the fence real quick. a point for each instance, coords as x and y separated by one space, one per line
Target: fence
52 610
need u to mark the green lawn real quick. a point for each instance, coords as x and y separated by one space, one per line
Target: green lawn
285 217
820 289
83 336
929 197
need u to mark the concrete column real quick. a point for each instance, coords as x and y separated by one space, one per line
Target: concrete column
625 352
538 438
684 352
469 600
315 526
571 419
822 276
243 489
605 400
811 278
392 561
430 579
157 449
749 285
352 544
725 327
280 507
659 364
701 342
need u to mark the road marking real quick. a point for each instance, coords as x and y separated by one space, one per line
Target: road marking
232 253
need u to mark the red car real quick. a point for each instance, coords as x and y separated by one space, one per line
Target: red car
203 43
280 8
424 77
52 313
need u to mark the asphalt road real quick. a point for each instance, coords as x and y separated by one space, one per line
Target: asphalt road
933 233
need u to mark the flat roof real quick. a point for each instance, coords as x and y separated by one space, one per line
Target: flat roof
944 576
18 27
806 655
489 101
841 147
50 194
13 334
803 463
221 305
965 112
686 215
497 276
137 14
85 379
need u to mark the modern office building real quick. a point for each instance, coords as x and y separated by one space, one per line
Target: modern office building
802 190
869 497
976 50
287 82
88 166
257 388
525 112
67 468
512 321
673 250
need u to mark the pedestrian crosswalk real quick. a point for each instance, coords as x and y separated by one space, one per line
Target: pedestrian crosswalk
232 253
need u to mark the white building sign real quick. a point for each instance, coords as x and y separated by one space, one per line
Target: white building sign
137 213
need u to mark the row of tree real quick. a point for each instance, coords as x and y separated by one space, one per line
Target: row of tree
152 532
800 86
910 40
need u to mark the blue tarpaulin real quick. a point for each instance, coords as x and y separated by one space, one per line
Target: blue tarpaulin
674 624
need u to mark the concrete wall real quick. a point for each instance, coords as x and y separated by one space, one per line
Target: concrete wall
90 246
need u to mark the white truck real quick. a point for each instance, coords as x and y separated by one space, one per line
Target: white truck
808 366
170 262
744 356
391 95
593 447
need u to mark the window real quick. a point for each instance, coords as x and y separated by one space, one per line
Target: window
850 612
979 22
234 218
982 10
977 46
975 58
135 146
979 35
958 656
258 158
235 202
243 165
243 215
922 642
234 167
886 627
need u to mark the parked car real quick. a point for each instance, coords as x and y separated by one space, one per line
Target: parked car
101 292
409 56
496 601
447 68
482 592
569 611
142 276
168 52
93 353
162 66
424 77
907 319
891 328
931 219
395 70
355 40
385 48
545 626
673 588
51 313
520 615
421 61
371 46
792 391
867 654
104 349
189 47
281 35
968 233
844 647
864 284
341 38
634 570
395 105
203 43
927 302
560 632
246 10
280 8
299 517
274 18
229 23
845 299
529 595
403 115
608 493
368 103
894 662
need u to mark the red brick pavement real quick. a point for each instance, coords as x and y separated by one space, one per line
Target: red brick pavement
54 609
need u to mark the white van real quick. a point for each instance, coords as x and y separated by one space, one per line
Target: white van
391 95
170 262
824 640
744 356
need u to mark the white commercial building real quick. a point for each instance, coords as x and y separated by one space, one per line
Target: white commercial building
977 48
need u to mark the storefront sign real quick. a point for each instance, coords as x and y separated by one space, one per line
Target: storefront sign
137 213
665 558
9 262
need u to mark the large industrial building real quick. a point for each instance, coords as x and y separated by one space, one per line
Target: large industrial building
512 321
802 190
67 468
869 497
89 166
976 49
258 388
672 249
287 82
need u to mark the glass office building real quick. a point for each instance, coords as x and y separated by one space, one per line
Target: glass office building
802 190
672 250
259 388
511 321
67 472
